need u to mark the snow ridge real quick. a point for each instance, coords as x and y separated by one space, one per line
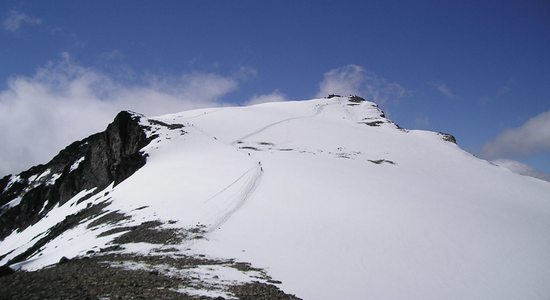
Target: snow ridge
326 195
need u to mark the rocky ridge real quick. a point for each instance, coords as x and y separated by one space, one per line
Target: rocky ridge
95 162
104 160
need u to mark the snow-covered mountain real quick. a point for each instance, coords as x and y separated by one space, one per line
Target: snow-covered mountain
324 199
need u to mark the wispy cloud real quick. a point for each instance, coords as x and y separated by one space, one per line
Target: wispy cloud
444 89
14 20
421 121
245 72
354 79
501 92
275 96
530 138
65 101
521 168
112 55
505 89
346 80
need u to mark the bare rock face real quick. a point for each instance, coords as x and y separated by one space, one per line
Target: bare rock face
447 137
97 161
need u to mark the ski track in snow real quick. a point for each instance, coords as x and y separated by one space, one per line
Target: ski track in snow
201 114
254 182
235 205
228 186
318 110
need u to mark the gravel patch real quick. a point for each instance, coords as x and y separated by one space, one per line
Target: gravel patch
97 277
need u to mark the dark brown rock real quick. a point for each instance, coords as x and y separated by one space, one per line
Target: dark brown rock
109 156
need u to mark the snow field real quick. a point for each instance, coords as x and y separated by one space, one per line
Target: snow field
337 209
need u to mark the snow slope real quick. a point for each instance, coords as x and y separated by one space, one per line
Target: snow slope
334 200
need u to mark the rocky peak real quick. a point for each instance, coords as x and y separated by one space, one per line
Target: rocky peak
94 162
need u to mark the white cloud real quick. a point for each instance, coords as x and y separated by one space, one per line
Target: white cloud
15 20
346 80
444 90
521 168
354 80
530 138
275 96
64 101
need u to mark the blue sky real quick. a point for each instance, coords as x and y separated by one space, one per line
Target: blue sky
477 69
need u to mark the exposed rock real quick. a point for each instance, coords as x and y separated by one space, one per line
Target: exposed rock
69 222
5 271
97 277
111 248
63 260
381 161
89 279
3 184
148 232
108 218
447 137
373 123
356 99
97 161
249 148
257 290
169 126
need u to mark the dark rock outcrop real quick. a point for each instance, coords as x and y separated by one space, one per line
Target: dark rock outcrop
95 162
5 271
356 99
374 123
447 137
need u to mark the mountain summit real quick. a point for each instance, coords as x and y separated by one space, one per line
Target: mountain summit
316 199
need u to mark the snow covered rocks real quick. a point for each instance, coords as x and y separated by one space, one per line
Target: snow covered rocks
321 199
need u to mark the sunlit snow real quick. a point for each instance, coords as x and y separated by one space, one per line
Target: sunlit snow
333 207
